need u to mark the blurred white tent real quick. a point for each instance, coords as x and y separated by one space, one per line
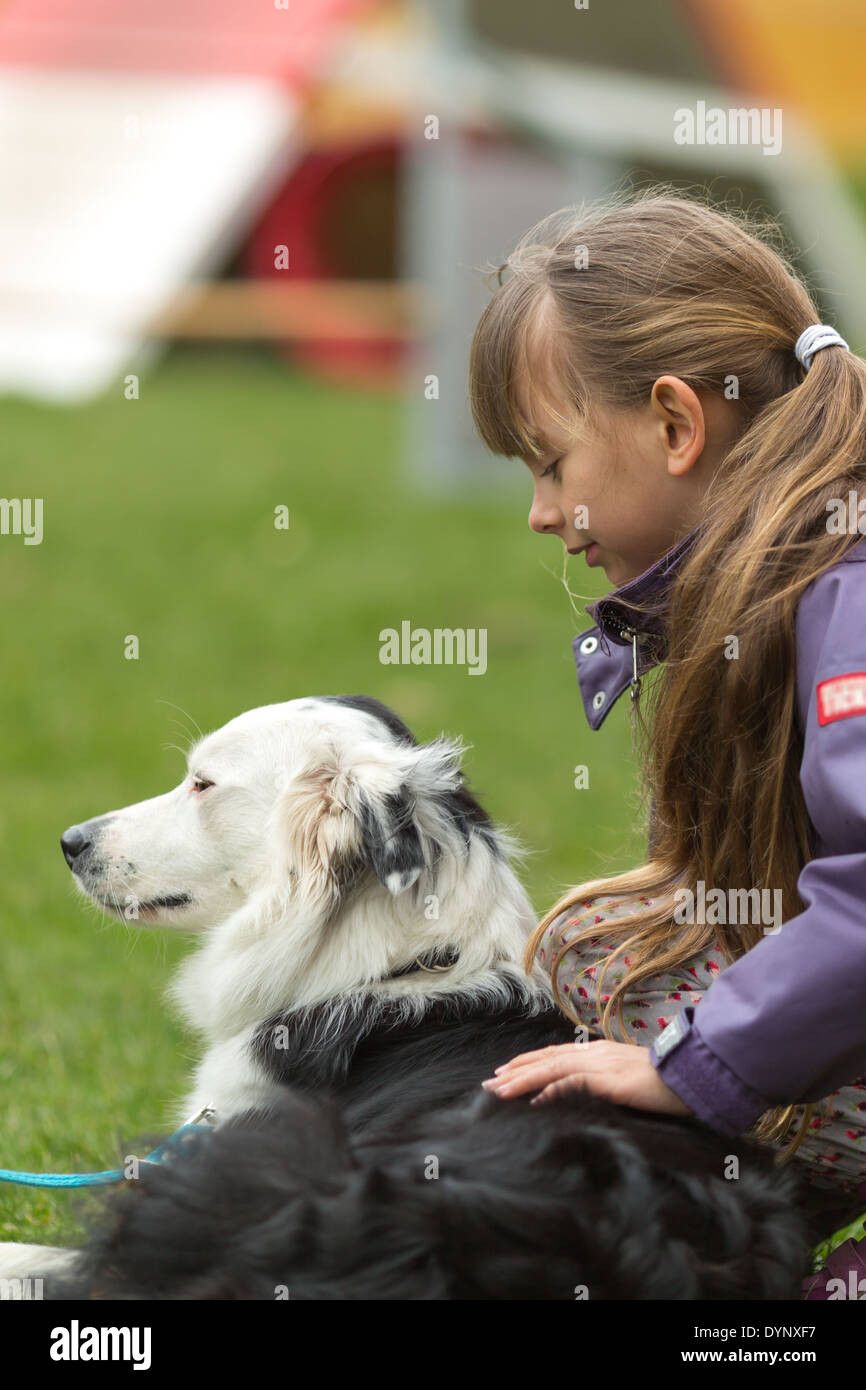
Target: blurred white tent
137 145
111 203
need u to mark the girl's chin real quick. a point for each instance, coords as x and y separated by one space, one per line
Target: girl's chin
618 571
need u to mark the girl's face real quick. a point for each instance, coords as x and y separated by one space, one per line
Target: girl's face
632 488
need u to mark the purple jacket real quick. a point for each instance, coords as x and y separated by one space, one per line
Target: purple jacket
786 1023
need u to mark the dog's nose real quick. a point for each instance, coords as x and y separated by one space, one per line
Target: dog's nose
73 842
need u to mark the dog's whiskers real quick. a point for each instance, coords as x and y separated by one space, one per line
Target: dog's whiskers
198 733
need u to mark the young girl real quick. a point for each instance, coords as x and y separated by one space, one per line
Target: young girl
688 421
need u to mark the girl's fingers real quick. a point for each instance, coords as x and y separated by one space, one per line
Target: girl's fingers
533 1058
565 1086
623 1072
523 1057
533 1075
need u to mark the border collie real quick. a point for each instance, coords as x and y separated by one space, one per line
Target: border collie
359 973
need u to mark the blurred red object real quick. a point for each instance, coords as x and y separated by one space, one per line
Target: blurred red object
337 216
201 37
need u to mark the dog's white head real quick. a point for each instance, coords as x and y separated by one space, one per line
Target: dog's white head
312 793
326 847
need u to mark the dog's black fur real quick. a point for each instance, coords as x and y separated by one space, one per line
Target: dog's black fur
332 1195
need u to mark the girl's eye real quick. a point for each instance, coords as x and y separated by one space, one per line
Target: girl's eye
200 784
550 469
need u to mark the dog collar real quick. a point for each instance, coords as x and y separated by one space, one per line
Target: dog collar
442 958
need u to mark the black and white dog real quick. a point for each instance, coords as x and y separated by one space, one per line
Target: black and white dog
359 973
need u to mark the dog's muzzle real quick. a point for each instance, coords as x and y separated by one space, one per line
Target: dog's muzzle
74 842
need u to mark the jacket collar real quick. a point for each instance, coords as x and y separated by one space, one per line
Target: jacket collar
604 672
616 611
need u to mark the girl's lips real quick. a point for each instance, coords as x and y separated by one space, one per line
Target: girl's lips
591 551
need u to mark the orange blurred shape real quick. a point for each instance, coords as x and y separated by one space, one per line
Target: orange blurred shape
795 54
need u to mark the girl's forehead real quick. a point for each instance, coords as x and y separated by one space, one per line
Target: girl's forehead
539 395
544 419
525 403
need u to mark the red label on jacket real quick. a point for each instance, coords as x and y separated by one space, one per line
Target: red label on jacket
842 696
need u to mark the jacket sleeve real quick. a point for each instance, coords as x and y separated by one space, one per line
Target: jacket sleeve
786 1022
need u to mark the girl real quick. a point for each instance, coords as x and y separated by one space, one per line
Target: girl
662 372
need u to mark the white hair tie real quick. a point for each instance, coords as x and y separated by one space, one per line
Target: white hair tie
813 339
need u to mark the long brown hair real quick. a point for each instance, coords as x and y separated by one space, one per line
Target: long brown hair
635 286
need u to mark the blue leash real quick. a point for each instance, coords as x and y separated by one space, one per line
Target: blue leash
163 1151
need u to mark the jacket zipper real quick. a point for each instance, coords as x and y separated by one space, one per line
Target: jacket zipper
630 633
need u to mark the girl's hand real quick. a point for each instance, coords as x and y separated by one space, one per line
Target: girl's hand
622 1072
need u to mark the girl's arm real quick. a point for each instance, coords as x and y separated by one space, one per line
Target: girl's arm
786 1023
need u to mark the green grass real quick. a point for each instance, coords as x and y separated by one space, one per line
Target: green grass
158 522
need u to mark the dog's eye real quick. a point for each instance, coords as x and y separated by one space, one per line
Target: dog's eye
200 784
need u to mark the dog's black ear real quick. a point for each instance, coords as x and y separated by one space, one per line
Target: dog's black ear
390 841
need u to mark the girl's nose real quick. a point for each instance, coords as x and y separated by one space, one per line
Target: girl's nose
543 517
